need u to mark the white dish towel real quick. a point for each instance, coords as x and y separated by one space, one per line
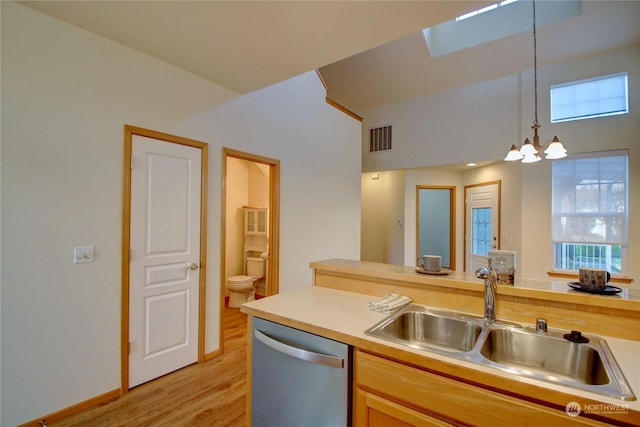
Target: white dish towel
389 303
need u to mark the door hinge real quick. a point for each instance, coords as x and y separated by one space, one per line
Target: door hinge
129 347
129 255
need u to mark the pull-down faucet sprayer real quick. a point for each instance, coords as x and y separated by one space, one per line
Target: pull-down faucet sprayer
488 274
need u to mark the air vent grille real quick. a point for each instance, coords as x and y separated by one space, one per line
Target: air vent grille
380 139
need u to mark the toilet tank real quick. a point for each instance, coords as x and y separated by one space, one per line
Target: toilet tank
256 267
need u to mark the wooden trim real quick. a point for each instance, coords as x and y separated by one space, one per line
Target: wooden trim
129 131
126 242
322 80
452 220
74 409
343 109
464 195
273 273
202 299
223 251
212 354
614 279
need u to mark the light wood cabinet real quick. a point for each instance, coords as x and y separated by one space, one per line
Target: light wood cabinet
375 411
388 393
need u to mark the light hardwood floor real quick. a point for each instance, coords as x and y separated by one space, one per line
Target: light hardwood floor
212 393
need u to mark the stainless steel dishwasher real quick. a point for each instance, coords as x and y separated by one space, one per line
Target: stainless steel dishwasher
299 379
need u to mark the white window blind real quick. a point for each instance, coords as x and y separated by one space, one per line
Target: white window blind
590 198
596 97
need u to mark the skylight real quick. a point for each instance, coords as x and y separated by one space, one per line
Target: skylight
463 33
484 9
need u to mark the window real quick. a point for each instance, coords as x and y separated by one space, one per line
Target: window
585 99
483 10
481 231
589 214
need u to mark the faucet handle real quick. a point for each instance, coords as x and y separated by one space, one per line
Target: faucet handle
541 325
482 273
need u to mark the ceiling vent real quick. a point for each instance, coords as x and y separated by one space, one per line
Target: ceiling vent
380 139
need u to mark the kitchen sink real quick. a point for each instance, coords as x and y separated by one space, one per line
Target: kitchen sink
420 327
511 348
548 353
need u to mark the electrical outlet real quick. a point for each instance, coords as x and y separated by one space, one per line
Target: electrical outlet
82 254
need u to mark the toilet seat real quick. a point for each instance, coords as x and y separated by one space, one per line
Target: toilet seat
240 280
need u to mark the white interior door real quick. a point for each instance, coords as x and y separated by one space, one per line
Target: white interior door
164 258
482 216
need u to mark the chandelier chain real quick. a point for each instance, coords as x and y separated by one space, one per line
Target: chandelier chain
535 66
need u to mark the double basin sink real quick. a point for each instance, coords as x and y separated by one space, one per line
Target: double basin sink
508 347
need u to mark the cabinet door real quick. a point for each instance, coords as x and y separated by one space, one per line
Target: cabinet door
262 221
251 221
375 411
256 221
460 402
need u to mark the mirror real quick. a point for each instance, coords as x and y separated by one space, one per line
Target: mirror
435 223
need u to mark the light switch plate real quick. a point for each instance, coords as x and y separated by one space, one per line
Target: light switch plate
82 254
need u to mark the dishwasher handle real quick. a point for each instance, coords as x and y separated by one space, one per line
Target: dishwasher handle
299 353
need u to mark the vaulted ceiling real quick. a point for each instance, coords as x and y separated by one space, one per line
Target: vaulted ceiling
369 52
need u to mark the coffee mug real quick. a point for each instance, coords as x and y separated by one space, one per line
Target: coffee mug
594 278
431 263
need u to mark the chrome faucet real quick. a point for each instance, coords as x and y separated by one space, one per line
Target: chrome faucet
488 274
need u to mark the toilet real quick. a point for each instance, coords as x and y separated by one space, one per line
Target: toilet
241 288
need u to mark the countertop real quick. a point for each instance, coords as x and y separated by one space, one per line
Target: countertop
344 316
552 290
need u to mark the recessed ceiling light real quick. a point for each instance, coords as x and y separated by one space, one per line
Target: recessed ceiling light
471 164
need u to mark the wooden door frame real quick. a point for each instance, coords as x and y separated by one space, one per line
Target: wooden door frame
481 184
273 271
452 220
129 132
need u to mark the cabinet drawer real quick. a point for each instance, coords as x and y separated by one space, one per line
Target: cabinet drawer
450 399
375 411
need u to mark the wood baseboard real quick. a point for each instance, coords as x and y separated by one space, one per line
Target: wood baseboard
74 409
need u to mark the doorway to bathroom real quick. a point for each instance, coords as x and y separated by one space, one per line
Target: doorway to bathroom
250 220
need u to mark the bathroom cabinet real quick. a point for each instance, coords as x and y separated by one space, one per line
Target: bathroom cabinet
256 231
256 221
392 394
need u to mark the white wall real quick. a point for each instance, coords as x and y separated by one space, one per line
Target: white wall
461 125
66 96
480 122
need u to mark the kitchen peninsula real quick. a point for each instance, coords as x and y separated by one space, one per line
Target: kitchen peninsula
435 388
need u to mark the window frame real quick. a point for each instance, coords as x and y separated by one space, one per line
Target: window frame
577 83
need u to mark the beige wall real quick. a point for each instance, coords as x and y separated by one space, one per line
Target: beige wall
383 210
480 122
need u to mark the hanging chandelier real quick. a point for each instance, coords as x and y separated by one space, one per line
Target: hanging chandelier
529 152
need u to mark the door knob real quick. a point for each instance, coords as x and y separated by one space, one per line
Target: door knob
192 266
